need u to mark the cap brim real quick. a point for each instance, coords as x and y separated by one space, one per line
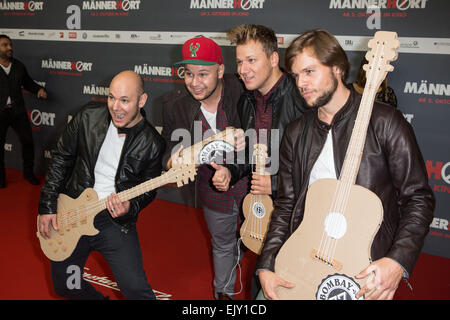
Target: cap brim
196 61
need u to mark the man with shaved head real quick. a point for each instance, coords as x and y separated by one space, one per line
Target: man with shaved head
109 148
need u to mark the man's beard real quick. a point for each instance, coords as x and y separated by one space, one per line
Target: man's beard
327 95
7 55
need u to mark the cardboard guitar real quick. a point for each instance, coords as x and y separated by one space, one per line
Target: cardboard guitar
332 244
75 217
257 208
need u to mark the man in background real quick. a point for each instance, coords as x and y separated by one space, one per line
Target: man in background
14 76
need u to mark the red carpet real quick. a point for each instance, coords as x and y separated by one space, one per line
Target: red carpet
176 252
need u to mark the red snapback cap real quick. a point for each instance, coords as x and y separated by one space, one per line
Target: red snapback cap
201 51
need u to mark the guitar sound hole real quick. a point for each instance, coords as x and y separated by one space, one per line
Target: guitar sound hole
258 210
335 225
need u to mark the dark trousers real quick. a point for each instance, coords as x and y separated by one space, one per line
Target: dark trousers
21 125
121 250
223 229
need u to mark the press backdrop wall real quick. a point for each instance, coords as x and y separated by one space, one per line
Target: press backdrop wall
74 48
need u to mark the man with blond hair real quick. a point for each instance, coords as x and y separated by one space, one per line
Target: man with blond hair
271 102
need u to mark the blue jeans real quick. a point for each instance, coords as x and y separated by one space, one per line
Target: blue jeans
121 250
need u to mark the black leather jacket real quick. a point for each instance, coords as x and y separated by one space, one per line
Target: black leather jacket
287 105
391 166
71 170
11 85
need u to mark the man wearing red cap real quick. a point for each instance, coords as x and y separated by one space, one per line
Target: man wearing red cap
211 106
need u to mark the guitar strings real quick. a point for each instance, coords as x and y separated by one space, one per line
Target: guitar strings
327 250
255 224
344 195
72 216
360 134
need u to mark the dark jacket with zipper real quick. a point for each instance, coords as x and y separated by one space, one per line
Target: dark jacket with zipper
180 110
71 169
287 105
392 167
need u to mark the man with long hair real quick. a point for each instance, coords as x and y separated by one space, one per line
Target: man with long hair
314 147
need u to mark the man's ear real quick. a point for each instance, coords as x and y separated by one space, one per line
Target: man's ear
274 59
221 71
142 100
337 72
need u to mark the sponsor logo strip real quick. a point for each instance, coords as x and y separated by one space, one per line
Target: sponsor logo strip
349 43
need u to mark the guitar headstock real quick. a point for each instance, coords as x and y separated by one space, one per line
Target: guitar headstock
204 151
382 51
228 135
182 174
260 150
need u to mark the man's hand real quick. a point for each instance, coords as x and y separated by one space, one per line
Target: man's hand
270 282
44 223
222 177
42 94
175 158
239 140
116 207
387 276
261 184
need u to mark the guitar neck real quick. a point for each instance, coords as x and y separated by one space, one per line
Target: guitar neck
260 156
355 148
136 191
382 51
260 166
90 209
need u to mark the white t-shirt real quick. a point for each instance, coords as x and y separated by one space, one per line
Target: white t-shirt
7 71
107 163
324 166
210 117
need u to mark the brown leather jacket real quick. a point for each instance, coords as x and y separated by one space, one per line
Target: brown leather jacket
392 167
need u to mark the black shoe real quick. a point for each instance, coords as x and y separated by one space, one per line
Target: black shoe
31 178
223 296
2 179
